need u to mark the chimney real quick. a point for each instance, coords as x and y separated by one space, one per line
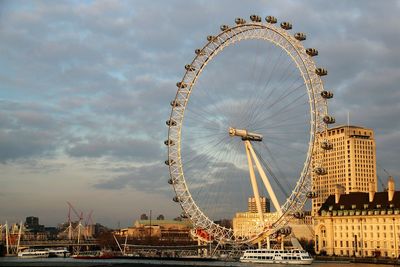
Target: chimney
390 188
371 191
339 190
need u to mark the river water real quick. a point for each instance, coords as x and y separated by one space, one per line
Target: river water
61 262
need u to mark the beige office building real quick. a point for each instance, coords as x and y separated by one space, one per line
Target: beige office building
351 163
360 224
252 206
247 224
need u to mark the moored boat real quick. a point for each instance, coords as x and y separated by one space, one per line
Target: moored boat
34 253
59 252
97 254
270 256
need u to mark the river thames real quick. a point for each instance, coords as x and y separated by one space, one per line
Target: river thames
13 261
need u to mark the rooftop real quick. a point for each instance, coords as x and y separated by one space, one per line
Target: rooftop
348 126
162 222
360 199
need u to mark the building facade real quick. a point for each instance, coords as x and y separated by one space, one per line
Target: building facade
360 224
162 230
252 206
247 224
350 163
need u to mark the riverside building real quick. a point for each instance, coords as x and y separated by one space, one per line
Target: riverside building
162 230
359 224
247 224
350 163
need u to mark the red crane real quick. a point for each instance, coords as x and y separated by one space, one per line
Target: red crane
79 216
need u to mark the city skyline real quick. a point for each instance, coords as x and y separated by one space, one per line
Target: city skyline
86 87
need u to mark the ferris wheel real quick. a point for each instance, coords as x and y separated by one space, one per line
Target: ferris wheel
250 130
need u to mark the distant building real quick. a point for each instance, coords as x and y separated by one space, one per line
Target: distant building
163 230
360 224
350 163
265 204
247 224
32 224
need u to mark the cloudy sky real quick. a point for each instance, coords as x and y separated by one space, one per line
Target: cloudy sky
85 88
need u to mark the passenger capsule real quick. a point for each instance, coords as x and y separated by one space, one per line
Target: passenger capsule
300 36
321 71
171 123
175 103
169 142
255 18
329 119
211 38
224 27
326 94
312 52
311 195
320 171
299 215
326 145
169 162
181 85
271 19
170 181
189 67
199 52
286 25
285 230
176 199
240 21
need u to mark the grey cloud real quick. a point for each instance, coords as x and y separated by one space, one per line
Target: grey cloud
27 130
136 149
24 144
149 178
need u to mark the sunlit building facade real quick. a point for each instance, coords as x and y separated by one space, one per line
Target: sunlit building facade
351 163
360 224
247 224
265 204
160 229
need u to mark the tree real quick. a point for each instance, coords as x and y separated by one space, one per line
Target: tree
160 217
144 217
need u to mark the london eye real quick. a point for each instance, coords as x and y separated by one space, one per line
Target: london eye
244 123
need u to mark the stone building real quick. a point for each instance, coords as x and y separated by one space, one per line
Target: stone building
162 230
350 162
247 224
360 224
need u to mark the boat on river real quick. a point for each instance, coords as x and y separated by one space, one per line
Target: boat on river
59 252
34 253
97 254
273 256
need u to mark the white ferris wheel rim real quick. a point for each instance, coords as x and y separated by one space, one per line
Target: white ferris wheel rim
318 109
